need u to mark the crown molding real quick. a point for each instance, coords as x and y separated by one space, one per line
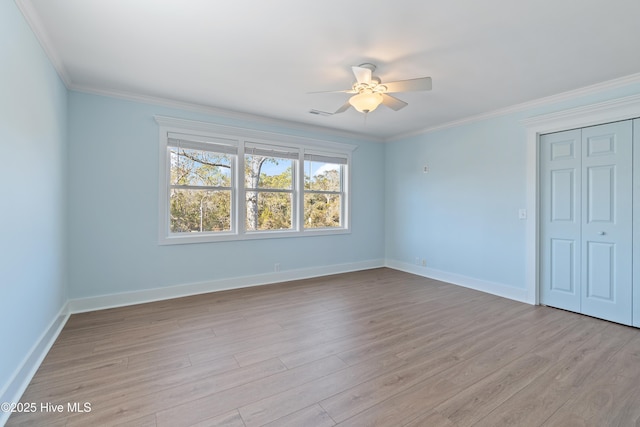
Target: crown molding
540 102
221 112
33 20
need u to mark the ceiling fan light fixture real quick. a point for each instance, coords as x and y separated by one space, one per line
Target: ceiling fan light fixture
366 102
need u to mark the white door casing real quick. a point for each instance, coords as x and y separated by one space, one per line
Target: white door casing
595 114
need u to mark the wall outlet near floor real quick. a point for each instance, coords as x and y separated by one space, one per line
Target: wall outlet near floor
417 260
276 267
424 262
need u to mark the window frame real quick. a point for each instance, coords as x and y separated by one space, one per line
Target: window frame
240 137
249 149
332 158
210 145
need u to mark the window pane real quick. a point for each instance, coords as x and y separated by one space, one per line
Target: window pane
197 167
321 210
268 211
322 176
268 172
200 211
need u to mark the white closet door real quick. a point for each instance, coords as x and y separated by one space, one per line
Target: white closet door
560 219
636 223
586 221
607 162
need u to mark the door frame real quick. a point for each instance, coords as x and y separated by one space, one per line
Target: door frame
594 114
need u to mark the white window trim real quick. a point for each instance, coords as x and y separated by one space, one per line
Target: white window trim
344 178
242 190
241 136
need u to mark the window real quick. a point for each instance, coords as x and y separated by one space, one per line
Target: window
200 185
269 187
219 183
323 191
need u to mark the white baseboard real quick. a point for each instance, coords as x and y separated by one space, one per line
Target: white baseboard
493 288
22 377
101 302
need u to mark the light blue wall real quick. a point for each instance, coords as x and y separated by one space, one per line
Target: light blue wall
80 200
113 208
33 121
462 216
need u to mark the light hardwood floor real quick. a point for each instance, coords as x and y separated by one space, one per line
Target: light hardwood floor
372 348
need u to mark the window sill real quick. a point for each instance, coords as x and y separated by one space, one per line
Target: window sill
190 238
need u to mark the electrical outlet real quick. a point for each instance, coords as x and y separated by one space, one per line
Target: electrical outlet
276 267
424 262
417 260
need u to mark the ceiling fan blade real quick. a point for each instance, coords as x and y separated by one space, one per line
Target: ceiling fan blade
344 108
363 75
392 102
422 83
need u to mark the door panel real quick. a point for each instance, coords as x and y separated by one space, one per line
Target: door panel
561 264
601 200
562 184
560 250
599 279
601 145
606 229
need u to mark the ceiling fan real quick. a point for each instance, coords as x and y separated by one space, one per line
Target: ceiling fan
370 92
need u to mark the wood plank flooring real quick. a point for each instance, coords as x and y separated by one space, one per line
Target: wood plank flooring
371 348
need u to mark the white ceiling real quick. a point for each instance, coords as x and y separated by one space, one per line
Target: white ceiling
262 57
